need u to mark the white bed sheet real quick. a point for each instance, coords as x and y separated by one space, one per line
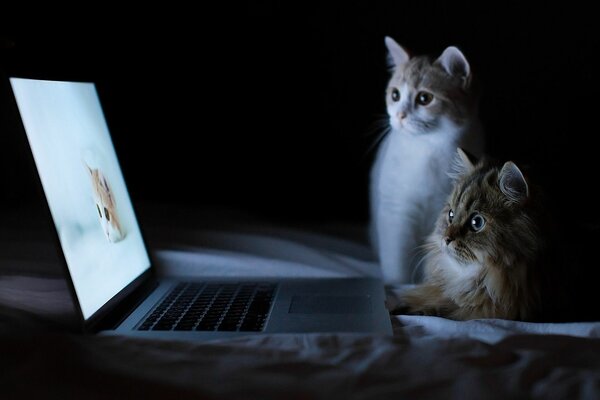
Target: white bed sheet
427 357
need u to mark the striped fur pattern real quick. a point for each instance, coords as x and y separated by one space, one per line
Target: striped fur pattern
483 255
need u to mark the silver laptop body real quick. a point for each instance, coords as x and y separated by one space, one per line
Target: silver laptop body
111 275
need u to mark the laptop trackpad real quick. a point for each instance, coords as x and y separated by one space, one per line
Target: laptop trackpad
327 304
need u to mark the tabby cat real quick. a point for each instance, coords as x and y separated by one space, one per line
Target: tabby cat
485 254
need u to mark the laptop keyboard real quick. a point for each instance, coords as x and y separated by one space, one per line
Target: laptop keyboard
212 307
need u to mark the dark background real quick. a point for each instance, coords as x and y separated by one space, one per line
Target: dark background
268 107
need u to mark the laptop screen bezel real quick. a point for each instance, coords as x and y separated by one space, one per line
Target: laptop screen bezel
123 302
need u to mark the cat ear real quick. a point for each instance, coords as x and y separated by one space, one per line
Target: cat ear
396 54
462 164
512 183
455 63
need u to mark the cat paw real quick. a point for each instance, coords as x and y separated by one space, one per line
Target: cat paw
402 306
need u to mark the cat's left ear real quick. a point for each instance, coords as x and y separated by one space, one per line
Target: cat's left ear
512 183
455 63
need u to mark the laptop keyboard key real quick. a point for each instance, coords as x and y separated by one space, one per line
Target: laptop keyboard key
229 307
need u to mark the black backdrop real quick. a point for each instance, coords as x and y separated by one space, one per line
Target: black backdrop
268 107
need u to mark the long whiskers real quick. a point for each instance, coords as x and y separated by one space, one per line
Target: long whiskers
378 139
381 120
423 252
380 127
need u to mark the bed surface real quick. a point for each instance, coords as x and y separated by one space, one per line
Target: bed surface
427 357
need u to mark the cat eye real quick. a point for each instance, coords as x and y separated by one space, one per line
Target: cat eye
477 222
424 98
450 216
395 95
99 212
106 214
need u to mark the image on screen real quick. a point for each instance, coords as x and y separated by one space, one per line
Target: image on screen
84 187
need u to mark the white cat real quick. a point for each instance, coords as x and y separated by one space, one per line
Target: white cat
432 110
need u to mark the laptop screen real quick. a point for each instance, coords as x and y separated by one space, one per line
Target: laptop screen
84 186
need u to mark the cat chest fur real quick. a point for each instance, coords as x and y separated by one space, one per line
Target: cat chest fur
412 168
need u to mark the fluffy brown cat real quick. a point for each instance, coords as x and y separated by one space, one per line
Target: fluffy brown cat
485 254
106 206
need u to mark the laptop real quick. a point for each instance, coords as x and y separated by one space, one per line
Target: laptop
114 284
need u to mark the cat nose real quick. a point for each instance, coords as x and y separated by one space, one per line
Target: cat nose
448 240
402 114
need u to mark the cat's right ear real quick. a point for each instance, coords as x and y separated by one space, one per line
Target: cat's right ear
396 54
512 183
463 164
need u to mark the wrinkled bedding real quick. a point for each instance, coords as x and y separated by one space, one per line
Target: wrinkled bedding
427 357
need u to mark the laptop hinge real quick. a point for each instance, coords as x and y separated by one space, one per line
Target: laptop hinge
120 307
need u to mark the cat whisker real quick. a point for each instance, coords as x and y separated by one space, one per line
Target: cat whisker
423 252
378 140
417 268
377 125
